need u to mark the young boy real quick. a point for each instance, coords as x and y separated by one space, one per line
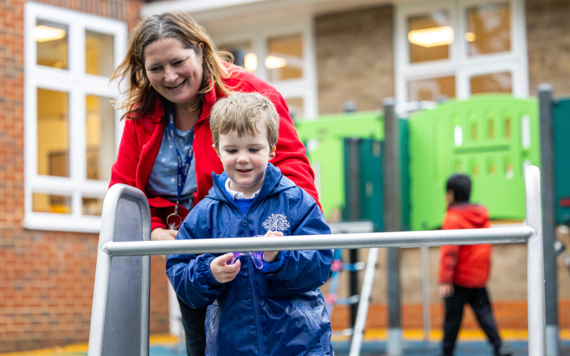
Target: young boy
277 309
464 270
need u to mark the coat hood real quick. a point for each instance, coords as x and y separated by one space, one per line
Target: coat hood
473 213
273 183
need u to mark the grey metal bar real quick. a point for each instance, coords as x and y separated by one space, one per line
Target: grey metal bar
549 216
312 242
426 312
364 302
535 265
392 222
126 215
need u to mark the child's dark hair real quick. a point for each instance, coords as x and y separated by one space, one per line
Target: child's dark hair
460 185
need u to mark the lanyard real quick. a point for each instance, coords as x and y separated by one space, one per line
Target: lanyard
183 169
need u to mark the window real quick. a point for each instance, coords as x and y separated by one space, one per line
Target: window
282 56
456 48
72 129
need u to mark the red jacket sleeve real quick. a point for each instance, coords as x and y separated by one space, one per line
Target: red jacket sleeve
448 255
124 170
290 155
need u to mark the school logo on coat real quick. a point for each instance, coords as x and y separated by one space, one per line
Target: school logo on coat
276 222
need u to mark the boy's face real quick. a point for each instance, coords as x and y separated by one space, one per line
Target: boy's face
245 158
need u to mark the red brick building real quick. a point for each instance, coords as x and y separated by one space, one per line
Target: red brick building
59 134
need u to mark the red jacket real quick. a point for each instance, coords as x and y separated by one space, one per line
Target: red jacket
142 139
466 265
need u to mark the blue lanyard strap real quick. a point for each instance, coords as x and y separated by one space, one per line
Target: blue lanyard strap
182 169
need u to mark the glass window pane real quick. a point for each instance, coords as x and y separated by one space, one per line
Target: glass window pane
430 37
51 44
488 29
92 206
492 83
98 53
243 55
99 137
47 203
285 58
53 133
432 89
296 108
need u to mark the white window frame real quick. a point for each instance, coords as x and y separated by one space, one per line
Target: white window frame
459 63
77 84
305 87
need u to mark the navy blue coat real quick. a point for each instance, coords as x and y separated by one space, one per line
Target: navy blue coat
277 310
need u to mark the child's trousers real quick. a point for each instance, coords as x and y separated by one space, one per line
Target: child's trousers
479 301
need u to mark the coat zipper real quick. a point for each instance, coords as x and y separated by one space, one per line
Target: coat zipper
255 306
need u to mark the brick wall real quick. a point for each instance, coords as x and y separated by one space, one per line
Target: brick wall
355 58
548 44
46 278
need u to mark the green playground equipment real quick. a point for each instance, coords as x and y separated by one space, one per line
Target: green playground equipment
561 117
491 138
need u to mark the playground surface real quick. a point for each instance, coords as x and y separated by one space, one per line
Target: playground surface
471 343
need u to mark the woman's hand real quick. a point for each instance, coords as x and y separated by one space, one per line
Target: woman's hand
222 272
446 290
163 234
270 256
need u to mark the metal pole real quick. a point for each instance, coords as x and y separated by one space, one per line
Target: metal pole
392 222
425 292
354 213
508 235
364 302
549 216
535 265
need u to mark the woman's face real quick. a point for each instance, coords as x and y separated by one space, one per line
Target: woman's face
174 72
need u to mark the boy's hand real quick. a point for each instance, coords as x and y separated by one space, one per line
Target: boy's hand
225 273
270 256
446 290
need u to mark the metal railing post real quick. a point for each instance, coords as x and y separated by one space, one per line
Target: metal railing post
121 299
535 265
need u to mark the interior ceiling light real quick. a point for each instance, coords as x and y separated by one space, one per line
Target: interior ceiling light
250 62
272 62
44 33
470 37
432 37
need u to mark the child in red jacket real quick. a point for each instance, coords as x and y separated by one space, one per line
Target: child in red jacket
464 270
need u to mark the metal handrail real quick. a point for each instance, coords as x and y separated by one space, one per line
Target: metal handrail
530 234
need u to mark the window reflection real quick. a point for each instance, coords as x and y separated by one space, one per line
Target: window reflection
243 55
432 89
92 206
47 203
53 133
488 29
430 37
99 137
285 58
492 83
296 107
98 53
51 44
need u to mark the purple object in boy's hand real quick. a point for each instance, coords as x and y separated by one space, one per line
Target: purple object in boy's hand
257 257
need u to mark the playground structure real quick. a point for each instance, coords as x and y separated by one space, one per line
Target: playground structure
120 323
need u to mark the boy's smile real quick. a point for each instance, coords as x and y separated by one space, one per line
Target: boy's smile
245 159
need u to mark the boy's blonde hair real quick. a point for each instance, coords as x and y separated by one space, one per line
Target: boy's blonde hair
241 112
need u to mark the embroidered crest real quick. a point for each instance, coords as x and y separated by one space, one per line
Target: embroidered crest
276 222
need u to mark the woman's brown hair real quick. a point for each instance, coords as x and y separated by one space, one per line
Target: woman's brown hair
140 96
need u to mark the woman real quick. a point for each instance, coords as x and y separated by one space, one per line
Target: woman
175 76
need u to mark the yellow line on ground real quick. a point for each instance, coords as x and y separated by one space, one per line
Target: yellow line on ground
369 335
